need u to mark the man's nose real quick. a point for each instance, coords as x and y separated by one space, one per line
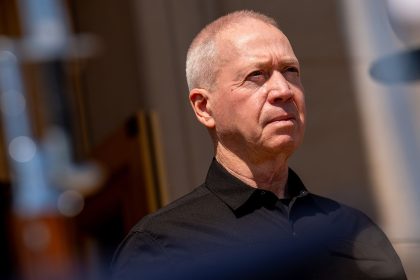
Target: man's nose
278 88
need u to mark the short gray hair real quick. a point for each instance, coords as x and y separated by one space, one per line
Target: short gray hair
202 57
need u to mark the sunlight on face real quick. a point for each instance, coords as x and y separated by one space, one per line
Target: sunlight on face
258 103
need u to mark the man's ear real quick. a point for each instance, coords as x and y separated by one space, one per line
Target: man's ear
199 99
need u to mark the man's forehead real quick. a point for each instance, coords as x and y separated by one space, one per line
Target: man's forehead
249 32
258 45
248 25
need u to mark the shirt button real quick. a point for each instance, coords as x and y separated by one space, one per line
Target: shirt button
262 193
294 234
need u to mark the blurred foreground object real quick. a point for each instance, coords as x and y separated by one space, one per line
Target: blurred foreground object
405 21
384 42
402 66
47 185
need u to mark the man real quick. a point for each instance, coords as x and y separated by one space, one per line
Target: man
252 218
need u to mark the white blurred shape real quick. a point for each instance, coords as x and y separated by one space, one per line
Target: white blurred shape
405 19
70 203
22 149
49 34
84 178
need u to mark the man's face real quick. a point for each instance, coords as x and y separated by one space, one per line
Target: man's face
258 103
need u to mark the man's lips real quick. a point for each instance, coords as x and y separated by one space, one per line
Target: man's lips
281 118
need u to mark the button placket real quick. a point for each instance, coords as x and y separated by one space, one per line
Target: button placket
301 194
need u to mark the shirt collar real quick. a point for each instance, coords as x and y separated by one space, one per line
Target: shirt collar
235 193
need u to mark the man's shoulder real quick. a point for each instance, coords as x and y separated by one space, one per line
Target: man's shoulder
357 236
340 212
346 218
175 210
338 207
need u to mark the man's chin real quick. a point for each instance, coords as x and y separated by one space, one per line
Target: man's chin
285 146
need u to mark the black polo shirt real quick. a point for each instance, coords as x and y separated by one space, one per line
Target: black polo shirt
225 229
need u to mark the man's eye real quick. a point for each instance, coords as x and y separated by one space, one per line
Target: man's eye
257 76
292 69
256 73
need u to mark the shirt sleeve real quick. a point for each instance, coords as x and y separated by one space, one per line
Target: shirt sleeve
367 253
140 256
381 260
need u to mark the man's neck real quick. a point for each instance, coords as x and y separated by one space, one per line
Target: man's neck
268 174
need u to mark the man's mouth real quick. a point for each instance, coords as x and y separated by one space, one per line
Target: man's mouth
282 118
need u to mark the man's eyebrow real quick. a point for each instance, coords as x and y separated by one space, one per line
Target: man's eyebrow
264 61
290 61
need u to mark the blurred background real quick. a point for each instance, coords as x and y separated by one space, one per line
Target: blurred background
97 131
